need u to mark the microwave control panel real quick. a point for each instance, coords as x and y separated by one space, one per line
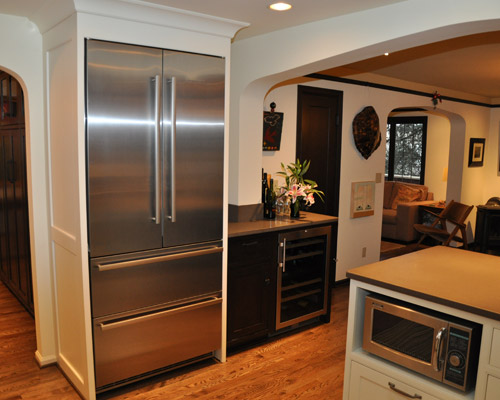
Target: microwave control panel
458 350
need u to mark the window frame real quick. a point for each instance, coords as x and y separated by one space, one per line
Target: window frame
392 121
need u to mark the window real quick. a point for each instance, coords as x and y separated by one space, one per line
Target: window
405 149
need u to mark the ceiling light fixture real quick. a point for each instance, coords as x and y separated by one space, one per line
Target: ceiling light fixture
386 54
280 6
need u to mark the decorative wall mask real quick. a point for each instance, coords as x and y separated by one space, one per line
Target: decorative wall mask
366 131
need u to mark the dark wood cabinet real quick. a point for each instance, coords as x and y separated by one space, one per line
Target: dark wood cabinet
487 235
252 266
265 297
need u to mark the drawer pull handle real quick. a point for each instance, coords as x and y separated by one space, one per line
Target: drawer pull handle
393 387
125 322
151 260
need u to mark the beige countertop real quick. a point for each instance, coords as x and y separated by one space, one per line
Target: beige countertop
453 277
306 219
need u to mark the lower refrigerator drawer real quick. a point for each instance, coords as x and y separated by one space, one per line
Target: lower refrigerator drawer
125 348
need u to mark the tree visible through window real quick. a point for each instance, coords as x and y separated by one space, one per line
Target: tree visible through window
405 149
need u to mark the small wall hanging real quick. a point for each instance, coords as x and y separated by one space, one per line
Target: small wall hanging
366 131
273 125
476 152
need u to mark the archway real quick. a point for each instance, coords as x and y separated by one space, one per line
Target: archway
15 257
449 168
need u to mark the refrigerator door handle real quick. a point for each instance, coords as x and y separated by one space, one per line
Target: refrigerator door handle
173 136
186 307
157 113
169 257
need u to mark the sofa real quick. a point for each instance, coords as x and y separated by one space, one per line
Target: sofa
400 212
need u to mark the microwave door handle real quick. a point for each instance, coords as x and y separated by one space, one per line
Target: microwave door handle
436 361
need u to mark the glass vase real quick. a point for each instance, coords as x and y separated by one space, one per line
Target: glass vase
295 209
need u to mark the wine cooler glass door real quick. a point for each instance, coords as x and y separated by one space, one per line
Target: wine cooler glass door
302 275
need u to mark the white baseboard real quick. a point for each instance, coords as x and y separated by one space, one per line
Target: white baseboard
44 361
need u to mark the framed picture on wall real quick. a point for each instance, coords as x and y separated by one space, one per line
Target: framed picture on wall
273 125
476 152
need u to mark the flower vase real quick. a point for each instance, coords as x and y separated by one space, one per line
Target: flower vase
295 209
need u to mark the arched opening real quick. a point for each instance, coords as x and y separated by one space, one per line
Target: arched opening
441 169
15 257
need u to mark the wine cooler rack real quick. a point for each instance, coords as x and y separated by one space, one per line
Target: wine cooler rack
303 267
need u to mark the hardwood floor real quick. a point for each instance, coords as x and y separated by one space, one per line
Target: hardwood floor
20 376
302 365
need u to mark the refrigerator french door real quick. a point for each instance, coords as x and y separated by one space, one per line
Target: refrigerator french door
155 139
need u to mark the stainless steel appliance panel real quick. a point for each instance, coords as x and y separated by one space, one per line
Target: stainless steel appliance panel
193 129
123 283
123 117
143 343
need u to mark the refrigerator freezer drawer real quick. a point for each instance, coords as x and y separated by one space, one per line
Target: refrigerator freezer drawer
146 343
126 284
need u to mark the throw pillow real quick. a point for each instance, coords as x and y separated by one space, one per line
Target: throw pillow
404 194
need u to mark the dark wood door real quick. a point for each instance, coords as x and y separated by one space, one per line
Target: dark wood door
319 134
15 259
319 139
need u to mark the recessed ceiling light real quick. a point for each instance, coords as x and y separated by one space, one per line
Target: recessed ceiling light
386 54
280 6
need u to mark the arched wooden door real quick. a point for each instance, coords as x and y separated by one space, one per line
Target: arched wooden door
15 259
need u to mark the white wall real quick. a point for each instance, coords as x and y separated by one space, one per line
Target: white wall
21 56
492 158
259 63
354 234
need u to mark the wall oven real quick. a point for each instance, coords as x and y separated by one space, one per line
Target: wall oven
437 345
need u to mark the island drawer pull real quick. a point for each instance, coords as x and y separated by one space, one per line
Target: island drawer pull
393 387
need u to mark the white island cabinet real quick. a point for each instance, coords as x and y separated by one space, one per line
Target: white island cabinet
455 282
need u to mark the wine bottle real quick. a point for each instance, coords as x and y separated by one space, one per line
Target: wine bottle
264 185
269 205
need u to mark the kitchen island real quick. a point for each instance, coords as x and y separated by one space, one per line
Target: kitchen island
459 283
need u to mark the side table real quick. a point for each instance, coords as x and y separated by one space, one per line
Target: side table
426 218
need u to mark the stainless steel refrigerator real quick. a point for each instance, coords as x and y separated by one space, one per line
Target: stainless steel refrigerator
155 138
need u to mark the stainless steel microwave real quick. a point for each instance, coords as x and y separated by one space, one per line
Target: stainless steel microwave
437 345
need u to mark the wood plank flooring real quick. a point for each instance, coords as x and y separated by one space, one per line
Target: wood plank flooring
20 376
303 365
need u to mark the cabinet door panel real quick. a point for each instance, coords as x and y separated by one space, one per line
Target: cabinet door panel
367 383
249 301
493 388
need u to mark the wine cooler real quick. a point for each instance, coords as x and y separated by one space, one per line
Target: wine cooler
303 268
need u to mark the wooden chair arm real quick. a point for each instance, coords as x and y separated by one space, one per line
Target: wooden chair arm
456 223
431 212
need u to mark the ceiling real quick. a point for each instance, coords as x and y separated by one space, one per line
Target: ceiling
470 64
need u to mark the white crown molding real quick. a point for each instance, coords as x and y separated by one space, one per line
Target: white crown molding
54 11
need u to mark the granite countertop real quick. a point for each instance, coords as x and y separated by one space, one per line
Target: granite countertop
458 278
306 219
